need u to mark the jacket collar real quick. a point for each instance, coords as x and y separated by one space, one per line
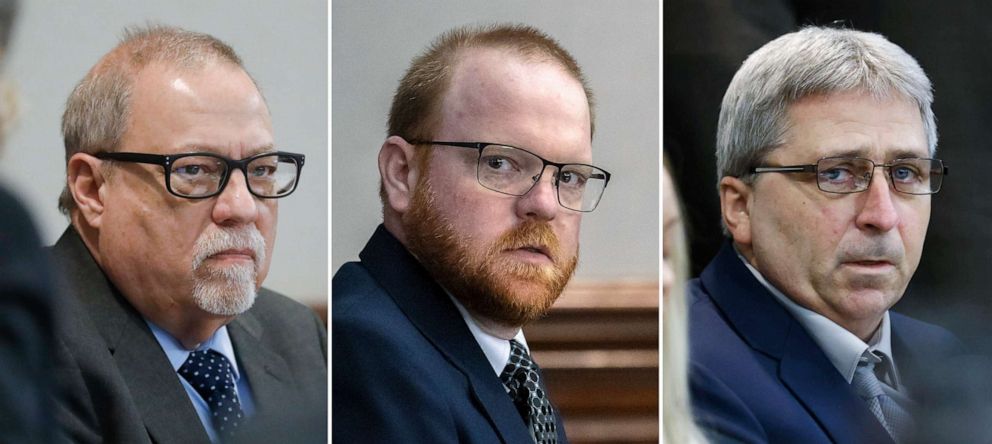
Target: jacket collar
156 391
803 368
430 310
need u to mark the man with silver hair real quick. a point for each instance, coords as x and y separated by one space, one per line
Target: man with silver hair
172 187
826 149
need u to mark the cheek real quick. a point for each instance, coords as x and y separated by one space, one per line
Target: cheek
568 230
834 221
267 222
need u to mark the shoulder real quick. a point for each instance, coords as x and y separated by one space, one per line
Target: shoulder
351 287
273 305
719 411
924 336
291 319
382 366
24 268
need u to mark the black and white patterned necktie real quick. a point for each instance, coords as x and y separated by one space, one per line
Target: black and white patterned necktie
522 377
210 374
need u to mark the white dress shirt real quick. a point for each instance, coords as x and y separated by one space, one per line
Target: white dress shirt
496 349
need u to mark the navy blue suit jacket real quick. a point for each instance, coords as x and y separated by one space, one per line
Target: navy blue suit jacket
405 366
757 376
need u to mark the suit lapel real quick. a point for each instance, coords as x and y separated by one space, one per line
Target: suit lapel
432 312
155 389
803 367
159 395
268 374
810 375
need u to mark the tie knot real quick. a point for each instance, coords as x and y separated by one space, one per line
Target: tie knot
207 371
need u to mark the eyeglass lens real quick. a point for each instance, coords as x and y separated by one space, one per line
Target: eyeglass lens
267 176
514 171
850 175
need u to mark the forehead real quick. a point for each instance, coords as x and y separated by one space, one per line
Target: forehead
214 108
855 124
496 95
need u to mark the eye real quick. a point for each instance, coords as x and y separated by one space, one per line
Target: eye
263 171
572 178
189 170
194 170
499 163
838 174
905 173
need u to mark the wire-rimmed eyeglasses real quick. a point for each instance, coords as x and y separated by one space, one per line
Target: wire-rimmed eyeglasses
510 170
845 175
268 175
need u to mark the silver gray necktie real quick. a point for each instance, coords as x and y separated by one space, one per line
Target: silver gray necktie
893 417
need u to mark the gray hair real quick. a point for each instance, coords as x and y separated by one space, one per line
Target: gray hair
99 109
811 61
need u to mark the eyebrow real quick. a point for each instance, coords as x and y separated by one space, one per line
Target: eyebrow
193 148
901 153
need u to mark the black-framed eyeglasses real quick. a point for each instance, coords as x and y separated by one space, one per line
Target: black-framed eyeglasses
843 175
510 170
201 175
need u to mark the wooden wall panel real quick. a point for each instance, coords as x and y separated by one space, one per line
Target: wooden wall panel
598 349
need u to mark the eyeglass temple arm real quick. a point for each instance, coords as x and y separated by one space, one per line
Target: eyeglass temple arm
785 169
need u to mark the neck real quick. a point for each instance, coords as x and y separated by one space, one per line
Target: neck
494 328
190 329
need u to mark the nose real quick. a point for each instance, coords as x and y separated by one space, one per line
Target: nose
541 202
878 212
235 205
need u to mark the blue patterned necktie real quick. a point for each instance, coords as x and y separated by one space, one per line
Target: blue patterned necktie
893 417
522 377
210 374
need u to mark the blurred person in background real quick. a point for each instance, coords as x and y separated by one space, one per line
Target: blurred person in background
27 301
678 424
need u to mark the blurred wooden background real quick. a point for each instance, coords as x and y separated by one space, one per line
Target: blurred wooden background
598 349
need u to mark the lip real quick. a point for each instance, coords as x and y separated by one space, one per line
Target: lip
246 255
870 265
532 253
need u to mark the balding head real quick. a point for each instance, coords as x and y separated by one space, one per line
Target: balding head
98 111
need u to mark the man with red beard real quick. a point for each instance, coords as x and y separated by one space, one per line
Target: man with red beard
173 182
485 175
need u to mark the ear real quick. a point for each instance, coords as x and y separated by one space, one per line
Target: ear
735 207
85 179
399 172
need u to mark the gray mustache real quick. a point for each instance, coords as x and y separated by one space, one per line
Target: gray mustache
878 251
248 238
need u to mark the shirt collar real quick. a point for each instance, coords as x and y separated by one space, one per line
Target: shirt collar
496 349
177 354
843 348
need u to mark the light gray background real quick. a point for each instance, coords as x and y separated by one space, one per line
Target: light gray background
283 45
616 43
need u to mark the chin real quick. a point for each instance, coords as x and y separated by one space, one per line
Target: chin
868 303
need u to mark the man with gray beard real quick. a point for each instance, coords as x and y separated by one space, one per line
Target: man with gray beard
479 237
172 187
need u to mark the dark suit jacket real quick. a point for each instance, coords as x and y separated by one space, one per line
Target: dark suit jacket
406 368
27 306
758 376
118 386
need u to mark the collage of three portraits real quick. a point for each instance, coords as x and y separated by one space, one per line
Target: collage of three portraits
493 222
